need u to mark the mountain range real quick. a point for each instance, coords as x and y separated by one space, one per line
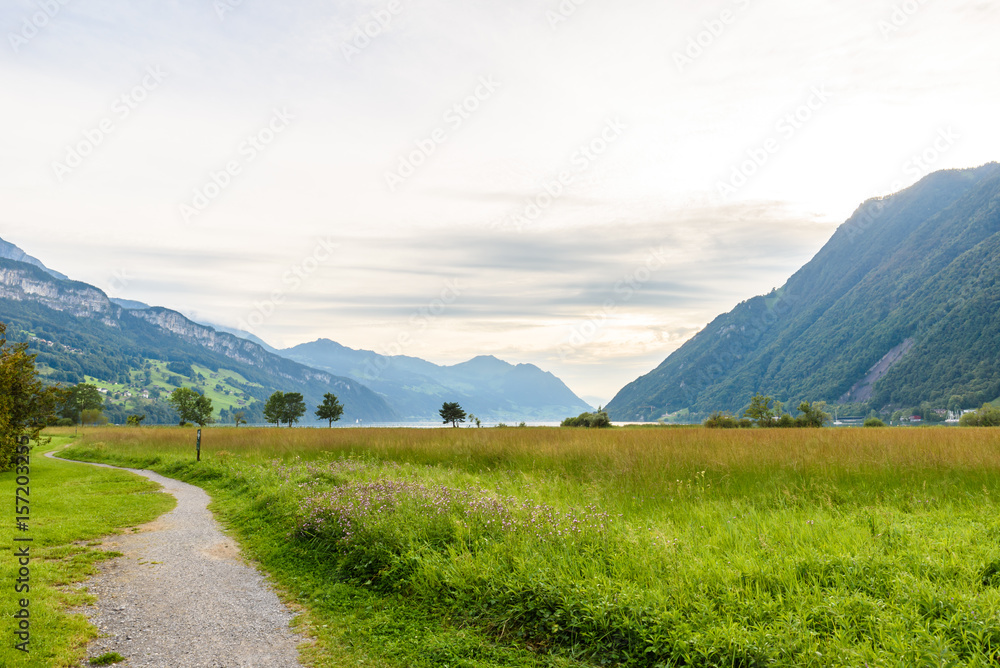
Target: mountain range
485 386
136 354
901 308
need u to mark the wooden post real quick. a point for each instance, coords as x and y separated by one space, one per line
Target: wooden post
198 448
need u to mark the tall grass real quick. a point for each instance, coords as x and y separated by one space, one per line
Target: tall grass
637 547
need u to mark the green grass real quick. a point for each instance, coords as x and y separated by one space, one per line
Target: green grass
106 659
638 547
72 506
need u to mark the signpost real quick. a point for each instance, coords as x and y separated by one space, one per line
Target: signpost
198 448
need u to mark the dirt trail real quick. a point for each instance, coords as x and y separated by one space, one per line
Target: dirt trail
181 595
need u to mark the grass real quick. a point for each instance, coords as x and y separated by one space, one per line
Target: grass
71 507
651 547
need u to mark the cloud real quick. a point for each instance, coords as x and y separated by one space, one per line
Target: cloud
525 287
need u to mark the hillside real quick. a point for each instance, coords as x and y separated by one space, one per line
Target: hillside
899 308
81 335
486 386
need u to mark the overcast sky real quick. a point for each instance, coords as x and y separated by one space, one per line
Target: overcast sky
582 184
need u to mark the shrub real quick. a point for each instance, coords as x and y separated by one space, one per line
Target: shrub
987 416
598 420
874 422
785 421
721 420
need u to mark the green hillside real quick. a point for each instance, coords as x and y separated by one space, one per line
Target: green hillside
80 336
909 281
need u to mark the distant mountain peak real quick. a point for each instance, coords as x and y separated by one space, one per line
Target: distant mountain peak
9 251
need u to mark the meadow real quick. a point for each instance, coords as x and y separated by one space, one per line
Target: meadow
623 547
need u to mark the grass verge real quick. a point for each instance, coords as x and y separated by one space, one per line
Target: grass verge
71 507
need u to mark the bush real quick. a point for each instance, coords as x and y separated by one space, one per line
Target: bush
720 420
785 421
598 420
987 416
874 422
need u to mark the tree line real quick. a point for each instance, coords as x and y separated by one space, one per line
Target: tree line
766 412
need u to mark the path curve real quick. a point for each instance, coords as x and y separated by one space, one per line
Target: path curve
182 596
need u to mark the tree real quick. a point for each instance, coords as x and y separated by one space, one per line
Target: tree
987 416
240 417
330 409
93 417
80 398
598 420
191 406
25 404
135 420
721 420
812 415
453 413
294 408
274 407
761 410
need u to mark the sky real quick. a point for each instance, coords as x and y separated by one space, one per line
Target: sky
577 184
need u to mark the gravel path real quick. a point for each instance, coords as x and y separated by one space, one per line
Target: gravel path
182 597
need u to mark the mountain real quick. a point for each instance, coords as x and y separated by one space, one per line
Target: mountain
79 334
900 308
486 386
244 335
130 304
9 251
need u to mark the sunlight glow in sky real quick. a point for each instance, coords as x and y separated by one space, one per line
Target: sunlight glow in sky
579 184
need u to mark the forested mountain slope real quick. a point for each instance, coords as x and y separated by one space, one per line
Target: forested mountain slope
909 280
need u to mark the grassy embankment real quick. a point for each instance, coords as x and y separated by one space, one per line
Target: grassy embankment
624 547
71 507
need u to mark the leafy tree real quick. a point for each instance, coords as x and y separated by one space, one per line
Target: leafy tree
874 422
93 417
812 415
135 420
191 406
330 409
453 413
25 404
785 421
240 417
598 420
294 408
761 410
80 398
987 416
721 420
274 408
